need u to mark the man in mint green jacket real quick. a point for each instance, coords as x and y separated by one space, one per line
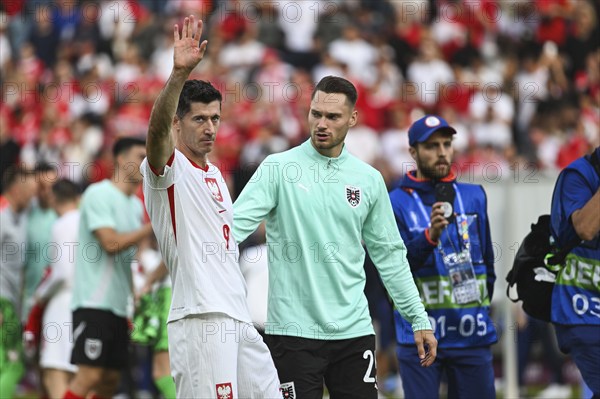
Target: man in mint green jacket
320 203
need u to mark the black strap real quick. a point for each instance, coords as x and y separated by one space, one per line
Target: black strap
560 256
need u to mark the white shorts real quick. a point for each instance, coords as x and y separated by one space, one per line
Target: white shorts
57 334
215 356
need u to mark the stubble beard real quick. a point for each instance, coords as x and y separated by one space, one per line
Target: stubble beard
326 145
431 172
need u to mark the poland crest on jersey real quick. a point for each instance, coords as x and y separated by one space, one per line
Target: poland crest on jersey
353 196
224 391
213 186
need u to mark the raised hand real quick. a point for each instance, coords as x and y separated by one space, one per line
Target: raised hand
188 51
438 221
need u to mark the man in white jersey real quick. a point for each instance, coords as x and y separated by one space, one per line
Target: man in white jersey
54 293
214 349
110 228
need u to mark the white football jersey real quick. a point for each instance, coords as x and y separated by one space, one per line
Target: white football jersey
61 254
192 216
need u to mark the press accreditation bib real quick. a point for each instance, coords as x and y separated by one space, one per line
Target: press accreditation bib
457 261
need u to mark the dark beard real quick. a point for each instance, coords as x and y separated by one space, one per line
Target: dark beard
431 173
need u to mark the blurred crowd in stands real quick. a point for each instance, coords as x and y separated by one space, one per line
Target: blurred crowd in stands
519 79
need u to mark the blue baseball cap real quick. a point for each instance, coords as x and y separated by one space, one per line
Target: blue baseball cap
422 129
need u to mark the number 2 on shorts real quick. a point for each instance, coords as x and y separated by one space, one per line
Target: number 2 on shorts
367 378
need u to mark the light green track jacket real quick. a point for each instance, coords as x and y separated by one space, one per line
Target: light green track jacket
317 212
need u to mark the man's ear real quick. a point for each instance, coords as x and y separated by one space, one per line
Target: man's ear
176 122
353 119
119 159
413 152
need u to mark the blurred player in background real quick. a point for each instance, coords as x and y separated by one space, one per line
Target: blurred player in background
152 286
39 227
19 189
575 217
41 217
446 230
213 347
54 294
319 203
255 268
110 228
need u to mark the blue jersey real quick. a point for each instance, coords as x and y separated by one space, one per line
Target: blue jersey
456 325
576 294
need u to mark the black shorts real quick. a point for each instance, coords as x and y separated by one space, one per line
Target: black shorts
101 339
346 366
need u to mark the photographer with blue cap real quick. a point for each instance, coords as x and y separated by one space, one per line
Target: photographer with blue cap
445 228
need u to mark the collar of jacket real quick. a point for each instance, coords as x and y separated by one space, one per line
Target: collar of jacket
424 187
327 162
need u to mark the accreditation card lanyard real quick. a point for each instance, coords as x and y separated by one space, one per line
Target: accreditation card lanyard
458 264
462 217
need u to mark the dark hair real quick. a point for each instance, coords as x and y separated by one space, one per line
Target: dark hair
65 190
14 174
124 144
336 84
195 91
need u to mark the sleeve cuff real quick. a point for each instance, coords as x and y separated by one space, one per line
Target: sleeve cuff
424 325
429 240
160 172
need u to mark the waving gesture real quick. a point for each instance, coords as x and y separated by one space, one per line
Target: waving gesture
187 53
187 50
